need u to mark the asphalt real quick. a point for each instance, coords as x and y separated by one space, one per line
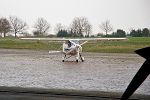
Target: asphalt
46 52
18 93
22 93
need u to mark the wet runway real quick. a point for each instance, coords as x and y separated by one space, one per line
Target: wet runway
99 72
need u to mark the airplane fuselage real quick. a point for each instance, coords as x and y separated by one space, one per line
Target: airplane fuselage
72 49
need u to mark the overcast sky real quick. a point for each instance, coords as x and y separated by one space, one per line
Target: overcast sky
122 14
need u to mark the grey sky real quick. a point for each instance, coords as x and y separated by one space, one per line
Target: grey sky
122 14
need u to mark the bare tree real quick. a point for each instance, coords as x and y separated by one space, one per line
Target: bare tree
58 27
106 26
131 29
80 25
88 30
42 26
4 26
74 26
17 25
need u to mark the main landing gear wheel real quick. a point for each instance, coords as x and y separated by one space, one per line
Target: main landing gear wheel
76 59
82 58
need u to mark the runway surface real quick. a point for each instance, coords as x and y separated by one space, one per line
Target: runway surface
99 71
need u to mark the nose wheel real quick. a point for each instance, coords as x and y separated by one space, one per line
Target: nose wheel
63 59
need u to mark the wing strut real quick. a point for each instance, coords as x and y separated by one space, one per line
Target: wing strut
94 46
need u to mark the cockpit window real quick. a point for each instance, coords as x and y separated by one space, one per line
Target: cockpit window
75 41
69 44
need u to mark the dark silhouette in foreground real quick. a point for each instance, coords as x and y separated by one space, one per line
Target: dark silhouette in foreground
141 75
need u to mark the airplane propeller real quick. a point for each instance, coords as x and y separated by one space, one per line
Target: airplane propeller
141 75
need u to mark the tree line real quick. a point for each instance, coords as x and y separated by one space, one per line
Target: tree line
107 27
133 33
140 33
79 27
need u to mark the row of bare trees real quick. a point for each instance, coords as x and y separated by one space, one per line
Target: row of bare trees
79 26
14 24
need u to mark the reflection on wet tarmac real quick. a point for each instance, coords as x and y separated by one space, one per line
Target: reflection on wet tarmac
100 73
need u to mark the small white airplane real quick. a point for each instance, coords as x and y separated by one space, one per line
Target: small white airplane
71 47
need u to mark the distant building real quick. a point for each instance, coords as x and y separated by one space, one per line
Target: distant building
128 35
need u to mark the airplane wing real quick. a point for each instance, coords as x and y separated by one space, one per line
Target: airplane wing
48 40
60 40
93 40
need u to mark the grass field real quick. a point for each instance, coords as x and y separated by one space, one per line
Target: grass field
130 46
